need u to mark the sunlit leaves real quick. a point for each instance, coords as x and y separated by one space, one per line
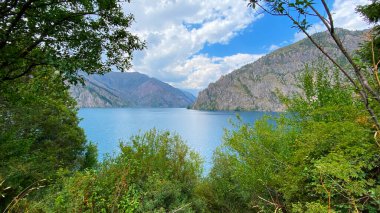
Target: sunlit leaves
319 157
155 172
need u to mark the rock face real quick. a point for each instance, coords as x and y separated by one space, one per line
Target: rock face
116 89
255 86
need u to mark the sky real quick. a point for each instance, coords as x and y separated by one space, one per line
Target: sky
192 43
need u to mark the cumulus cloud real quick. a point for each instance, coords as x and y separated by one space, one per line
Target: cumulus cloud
176 30
201 69
344 15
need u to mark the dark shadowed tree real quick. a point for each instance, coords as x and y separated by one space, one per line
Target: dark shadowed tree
39 135
69 35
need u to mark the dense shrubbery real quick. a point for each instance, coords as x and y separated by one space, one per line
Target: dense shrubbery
155 171
320 157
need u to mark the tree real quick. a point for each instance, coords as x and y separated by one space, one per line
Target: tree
44 44
371 11
68 35
370 52
299 12
39 134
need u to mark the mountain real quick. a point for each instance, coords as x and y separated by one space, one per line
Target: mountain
128 89
255 86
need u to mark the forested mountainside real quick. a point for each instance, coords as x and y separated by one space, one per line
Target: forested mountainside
255 86
117 89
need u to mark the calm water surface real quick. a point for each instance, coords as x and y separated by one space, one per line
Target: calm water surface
202 130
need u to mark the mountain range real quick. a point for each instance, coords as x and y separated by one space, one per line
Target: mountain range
128 89
255 86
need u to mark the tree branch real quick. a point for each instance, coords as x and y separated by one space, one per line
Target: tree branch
325 53
25 72
14 22
323 19
363 81
4 12
329 15
34 186
362 93
269 12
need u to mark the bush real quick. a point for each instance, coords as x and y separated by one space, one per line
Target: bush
155 171
320 156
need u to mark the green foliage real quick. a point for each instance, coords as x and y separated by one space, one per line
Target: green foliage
298 10
334 154
245 168
85 35
43 46
370 50
155 171
313 207
371 11
39 133
325 98
320 156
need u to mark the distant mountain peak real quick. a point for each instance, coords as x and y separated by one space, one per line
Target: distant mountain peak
128 89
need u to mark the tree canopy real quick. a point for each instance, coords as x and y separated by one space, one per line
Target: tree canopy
371 11
69 35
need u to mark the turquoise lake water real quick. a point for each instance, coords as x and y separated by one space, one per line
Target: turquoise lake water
201 130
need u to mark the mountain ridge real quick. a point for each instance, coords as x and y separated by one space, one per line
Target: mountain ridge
128 89
254 86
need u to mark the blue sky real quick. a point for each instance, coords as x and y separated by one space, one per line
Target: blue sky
266 34
191 43
257 38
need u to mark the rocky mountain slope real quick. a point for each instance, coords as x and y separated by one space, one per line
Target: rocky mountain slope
116 89
254 86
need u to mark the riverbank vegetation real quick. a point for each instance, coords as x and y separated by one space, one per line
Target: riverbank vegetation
323 155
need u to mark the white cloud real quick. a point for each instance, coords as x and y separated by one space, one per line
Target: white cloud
176 30
202 70
319 27
273 47
344 16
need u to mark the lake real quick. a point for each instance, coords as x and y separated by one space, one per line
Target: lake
201 130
